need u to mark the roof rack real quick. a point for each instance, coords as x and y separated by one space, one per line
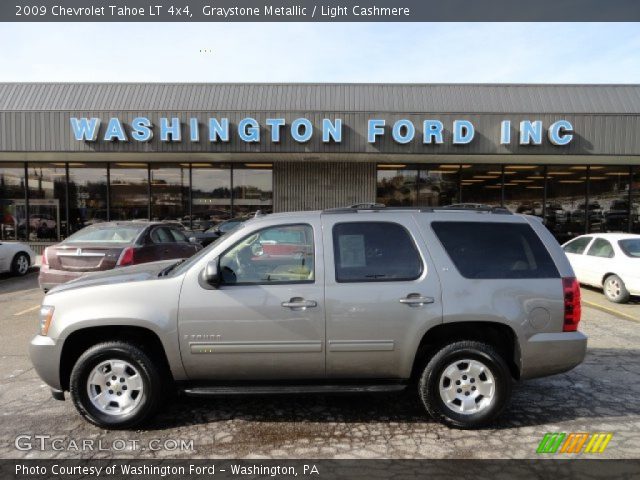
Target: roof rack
379 207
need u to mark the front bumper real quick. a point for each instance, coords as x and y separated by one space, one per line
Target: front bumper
550 353
44 353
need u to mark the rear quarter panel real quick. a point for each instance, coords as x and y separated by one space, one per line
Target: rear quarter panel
527 306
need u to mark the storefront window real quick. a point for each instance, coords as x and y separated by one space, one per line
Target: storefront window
524 189
211 194
252 188
87 195
170 192
635 200
438 185
397 185
129 191
609 198
566 201
481 185
12 204
47 202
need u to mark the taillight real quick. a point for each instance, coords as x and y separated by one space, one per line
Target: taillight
126 257
44 257
572 309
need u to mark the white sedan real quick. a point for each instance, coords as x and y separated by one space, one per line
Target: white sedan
16 257
610 261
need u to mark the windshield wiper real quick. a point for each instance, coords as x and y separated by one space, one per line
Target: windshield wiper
166 271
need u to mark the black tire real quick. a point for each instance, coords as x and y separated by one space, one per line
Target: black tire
17 267
615 290
429 385
152 381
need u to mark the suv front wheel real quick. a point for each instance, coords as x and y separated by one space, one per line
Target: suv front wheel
466 384
115 385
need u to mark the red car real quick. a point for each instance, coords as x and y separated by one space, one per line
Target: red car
104 246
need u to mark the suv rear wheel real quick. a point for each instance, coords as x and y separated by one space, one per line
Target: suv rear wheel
115 385
466 384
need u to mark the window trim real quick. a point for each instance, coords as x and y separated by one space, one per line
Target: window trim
294 282
375 280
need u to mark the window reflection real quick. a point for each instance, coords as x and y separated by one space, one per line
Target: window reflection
609 195
211 195
524 189
129 191
47 202
635 200
566 201
169 192
438 185
481 185
12 204
397 185
252 188
87 195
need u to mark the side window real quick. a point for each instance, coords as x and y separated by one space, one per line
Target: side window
178 236
282 254
374 252
601 248
161 235
577 246
495 250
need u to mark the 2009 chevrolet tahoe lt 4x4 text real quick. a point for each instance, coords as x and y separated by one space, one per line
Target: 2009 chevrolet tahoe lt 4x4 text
344 300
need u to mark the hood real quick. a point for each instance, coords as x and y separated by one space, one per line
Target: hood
135 273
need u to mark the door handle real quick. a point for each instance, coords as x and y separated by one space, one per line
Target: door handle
416 300
299 303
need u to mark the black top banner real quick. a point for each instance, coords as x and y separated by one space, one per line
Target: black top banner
320 11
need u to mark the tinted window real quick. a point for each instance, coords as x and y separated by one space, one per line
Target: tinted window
495 250
374 251
601 248
282 254
577 246
630 247
161 235
178 236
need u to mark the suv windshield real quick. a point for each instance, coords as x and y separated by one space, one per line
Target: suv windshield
105 234
631 247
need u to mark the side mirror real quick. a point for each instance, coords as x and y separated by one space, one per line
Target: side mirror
211 275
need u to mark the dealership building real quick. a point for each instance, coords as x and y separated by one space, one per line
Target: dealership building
73 154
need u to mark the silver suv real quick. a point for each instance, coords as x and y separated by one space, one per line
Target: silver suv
454 303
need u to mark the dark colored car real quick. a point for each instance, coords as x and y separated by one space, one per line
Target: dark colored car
108 245
214 233
616 219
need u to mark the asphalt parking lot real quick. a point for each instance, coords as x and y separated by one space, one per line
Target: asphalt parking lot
601 395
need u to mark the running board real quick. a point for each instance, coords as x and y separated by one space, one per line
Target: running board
290 389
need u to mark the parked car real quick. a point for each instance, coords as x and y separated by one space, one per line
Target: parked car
345 300
211 235
610 261
593 212
16 257
617 217
108 245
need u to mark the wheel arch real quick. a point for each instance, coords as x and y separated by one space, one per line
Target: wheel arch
80 340
499 335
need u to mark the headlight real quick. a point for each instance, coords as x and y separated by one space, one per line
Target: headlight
46 315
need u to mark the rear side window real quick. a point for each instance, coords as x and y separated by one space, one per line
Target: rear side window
495 250
577 246
374 252
601 248
161 235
